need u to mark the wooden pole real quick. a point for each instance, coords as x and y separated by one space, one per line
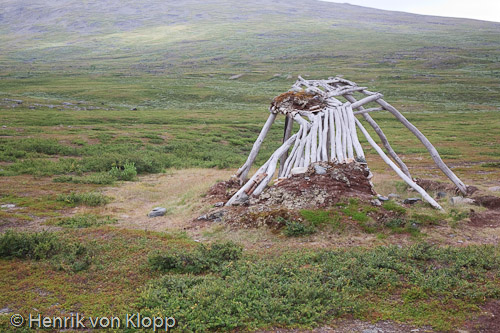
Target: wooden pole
382 137
387 160
286 136
434 153
243 171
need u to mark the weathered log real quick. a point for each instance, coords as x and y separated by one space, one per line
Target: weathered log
353 132
286 136
348 130
272 164
366 100
324 147
331 119
387 160
320 137
368 110
433 152
338 137
243 171
382 137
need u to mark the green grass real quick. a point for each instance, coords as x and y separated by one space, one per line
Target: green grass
88 199
84 221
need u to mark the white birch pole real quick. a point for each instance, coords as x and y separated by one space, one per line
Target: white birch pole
387 160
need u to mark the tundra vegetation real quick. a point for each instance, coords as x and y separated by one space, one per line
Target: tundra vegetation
107 113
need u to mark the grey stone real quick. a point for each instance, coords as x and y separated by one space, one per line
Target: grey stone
441 195
319 169
236 77
298 171
411 201
8 206
382 198
216 216
157 211
376 202
219 204
393 196
133 109
461 201
494 189
202 217
5 310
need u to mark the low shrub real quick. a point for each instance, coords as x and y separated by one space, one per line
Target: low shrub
85 221
201 260
45 245
88 199
298 229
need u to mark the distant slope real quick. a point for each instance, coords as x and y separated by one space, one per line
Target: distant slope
191 33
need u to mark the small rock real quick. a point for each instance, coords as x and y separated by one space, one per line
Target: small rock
157 211
5 310
4 126
133 109
461 201
360 159
235 77
216 216
307 178
8 206
319 169
393 196
441 195
494 189
382 198
219 204
376 202
298 171
31 107
411 201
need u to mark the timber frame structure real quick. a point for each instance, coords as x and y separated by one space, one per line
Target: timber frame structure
329 135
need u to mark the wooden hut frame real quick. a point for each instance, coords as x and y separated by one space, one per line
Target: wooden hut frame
329 134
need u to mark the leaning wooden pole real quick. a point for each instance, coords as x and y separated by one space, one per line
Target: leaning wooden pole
382 137
387 160
243 171
434 153
286 136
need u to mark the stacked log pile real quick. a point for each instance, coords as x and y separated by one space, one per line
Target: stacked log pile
328 133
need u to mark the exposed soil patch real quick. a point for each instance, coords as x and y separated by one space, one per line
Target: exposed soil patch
488 201
432 185
488 321
314 190
489 218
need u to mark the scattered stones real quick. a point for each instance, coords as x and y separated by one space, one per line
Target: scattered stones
8 206
382 198
319 169
376 202
494 189
441 195
157 211
461 201
411 201
393 196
